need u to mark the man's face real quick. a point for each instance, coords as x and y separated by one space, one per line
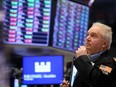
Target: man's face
94 40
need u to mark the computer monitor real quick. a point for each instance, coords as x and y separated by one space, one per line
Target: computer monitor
27 22
71 25
43 69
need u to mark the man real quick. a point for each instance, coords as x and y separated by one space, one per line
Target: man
95 67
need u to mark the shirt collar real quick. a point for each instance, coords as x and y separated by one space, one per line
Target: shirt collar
95 56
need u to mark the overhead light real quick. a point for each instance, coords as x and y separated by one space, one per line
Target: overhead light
90 2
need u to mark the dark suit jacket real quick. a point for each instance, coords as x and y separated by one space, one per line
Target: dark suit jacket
91 75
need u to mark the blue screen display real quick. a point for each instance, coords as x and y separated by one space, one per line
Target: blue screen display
71 25
43 69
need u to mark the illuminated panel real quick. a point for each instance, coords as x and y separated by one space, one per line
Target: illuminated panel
42 70
27 22
71 24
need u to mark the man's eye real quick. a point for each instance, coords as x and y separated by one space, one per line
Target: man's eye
93 35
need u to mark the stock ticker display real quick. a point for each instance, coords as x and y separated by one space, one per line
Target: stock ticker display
27 22
71 24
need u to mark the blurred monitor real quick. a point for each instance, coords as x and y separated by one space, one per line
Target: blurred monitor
43 70
27 22
71 25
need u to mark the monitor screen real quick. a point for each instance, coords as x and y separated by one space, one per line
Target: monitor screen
71 25
43 69
27 22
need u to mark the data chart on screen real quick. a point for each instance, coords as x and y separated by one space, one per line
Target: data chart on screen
71 25
27 22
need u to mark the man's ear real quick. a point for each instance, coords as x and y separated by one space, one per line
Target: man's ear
105 44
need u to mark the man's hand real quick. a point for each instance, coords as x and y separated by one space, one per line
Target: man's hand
65 83
81 51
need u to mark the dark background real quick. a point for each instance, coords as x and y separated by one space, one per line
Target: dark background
105 11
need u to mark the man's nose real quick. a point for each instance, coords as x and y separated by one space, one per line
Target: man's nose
88 38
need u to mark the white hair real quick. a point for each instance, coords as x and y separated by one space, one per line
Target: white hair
106 31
